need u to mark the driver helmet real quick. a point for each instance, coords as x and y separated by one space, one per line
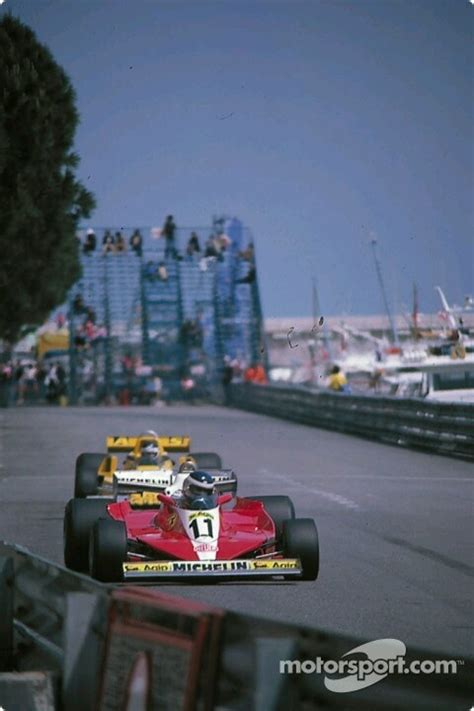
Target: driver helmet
199 492
149 453
152 433
187 467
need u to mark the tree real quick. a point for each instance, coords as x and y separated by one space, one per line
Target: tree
41 201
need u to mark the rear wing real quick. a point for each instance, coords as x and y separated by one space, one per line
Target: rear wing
122 443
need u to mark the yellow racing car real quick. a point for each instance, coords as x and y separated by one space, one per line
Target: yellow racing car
147 464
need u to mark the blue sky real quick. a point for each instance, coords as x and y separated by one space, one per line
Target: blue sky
314 122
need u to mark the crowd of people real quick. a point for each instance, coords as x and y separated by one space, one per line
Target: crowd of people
213 249
28 380
113 243
235 370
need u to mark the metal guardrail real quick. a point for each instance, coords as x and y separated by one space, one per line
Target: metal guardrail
51 620
444 428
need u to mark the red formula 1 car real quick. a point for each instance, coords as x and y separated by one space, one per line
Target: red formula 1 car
158 537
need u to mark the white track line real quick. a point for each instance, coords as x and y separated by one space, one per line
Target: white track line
398 478
328 495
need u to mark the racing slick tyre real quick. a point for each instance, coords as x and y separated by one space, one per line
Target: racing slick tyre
300 540
279 508
79 518
207 460
107 550
86 482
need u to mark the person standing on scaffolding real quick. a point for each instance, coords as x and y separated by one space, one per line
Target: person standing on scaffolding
169 229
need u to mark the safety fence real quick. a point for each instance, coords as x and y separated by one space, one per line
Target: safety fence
93 646
445 428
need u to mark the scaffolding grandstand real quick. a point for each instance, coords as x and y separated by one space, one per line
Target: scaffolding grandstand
178 312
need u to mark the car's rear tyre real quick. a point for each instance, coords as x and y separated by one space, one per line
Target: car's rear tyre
79 518
279 508
107 550
86 482
207 460
300 540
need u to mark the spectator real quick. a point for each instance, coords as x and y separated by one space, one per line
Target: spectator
108 242
227 371
128 368
60 320
249 278
6 378
169 229
80 339
55 384
224 241
90 242
337 380
192 334
218 248
193 245
150 270
89 329
237 369
188 387
28 381
210 248
136 243
249 374
227 376
90 314
255 374
78 306
162 272
375 379
248 254
120 244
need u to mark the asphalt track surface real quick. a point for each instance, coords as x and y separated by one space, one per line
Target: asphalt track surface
396 526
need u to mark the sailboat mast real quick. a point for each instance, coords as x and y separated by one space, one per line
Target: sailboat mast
378 269
317 316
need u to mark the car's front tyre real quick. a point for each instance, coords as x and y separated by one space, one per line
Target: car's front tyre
79 517
300 540
107 550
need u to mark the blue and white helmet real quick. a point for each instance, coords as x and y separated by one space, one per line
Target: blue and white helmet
199 492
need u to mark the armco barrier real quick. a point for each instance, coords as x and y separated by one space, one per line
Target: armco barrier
116 648
440 427
54 620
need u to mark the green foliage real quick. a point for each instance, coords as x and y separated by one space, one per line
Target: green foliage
41 201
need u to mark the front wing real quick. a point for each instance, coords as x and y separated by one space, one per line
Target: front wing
212 568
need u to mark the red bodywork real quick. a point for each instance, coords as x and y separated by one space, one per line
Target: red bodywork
245 529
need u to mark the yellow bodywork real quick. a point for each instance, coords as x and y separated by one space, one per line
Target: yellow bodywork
108 467
133 445
122 443
144 499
